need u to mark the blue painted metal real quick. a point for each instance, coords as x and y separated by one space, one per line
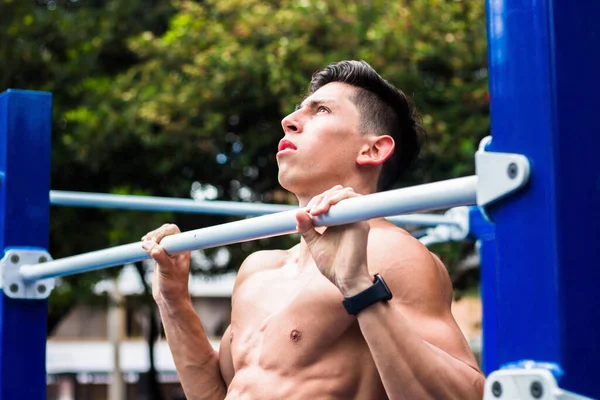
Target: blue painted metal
25 119
543 64
485 234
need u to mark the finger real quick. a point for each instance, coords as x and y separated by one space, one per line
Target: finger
152 233
341 195
305 227
315 201
156 251
333 197
323 205
165 230
312 202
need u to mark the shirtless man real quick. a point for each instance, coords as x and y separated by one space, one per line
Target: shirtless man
291 336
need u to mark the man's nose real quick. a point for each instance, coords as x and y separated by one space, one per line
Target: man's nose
291 124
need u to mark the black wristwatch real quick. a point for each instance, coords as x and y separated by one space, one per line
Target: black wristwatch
376 293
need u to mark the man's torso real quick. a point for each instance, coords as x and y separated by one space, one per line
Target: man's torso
292 339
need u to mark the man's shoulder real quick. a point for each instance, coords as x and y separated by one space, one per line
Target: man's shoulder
391 243
407 264
262 260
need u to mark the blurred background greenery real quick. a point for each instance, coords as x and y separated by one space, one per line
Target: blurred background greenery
184 99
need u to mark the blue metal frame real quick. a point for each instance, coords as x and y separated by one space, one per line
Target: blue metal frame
25 120
543 66
484 232
539 260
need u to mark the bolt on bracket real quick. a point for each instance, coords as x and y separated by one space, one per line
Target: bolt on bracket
526 384
11 281
500 174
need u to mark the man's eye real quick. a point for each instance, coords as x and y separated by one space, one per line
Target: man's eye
321 109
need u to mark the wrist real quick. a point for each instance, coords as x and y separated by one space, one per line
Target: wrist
375 293
351 287
171 303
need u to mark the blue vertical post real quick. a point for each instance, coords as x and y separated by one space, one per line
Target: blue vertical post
25 119
543 64
485 234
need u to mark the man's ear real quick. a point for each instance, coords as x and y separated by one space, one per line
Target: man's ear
376 151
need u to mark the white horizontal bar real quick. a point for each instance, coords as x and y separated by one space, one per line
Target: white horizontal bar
431 196
422 220
148 203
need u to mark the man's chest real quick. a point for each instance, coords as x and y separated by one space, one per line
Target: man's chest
278 316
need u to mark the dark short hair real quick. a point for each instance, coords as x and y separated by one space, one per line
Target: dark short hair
383 109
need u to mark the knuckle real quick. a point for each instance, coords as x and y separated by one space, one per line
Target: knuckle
150 234
155 252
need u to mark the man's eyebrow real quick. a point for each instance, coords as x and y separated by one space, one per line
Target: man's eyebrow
312 103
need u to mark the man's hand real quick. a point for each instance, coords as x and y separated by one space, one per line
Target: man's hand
341 251
171 272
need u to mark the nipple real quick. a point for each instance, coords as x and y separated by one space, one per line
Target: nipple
295 335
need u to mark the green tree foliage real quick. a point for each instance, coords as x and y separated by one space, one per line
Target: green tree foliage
151 97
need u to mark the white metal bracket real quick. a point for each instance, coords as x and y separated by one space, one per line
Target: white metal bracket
526 384
500 174
11 281
449 233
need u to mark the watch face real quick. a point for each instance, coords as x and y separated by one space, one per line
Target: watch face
376 293
379 279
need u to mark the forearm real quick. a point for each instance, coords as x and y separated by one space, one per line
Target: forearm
409 366
196 361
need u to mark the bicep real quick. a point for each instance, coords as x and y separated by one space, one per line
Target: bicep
423 295
433 321
225 357
439 330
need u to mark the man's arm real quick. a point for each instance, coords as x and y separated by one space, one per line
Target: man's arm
196 361
419 350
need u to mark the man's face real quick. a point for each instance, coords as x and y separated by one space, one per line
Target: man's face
321 141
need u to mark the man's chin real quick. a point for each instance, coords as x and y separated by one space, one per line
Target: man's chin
288 183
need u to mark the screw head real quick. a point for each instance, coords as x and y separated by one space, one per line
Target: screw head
496 389
14 259
42 259
14 288
41 288
512 170
536 389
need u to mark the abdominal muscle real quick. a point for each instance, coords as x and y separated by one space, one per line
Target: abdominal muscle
292 339
342 373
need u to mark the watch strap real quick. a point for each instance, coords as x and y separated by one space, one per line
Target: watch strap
374 294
